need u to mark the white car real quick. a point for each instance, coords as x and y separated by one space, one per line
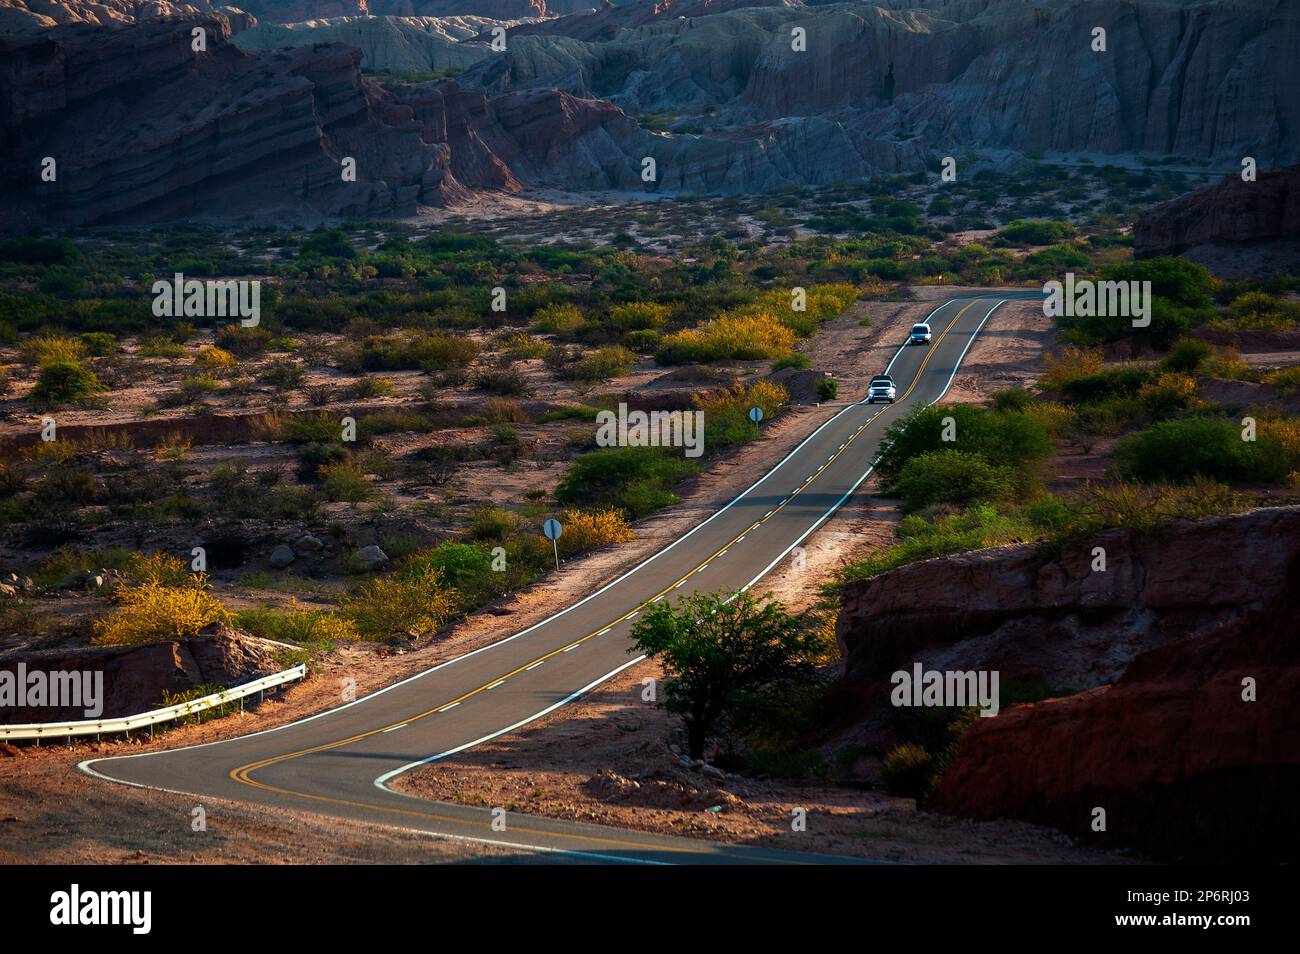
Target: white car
920 334
881 388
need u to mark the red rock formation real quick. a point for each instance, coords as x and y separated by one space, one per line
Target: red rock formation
1036 613
135 677
1260 220
1180 762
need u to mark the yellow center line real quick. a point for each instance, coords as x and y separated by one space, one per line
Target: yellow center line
242 773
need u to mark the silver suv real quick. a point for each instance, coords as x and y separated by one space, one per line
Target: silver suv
881 388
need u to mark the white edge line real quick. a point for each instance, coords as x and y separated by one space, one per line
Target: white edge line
383 779
423 832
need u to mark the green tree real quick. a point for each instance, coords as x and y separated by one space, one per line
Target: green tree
726 657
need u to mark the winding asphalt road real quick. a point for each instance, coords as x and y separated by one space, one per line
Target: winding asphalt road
341 761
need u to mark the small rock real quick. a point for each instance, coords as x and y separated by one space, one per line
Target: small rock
371 557
308 544
7 591
713 772
282 556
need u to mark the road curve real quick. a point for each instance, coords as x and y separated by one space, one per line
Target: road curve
340 762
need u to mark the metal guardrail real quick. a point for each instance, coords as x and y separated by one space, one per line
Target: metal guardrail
96 727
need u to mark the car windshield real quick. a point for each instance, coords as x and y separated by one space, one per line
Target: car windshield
884 381
920 328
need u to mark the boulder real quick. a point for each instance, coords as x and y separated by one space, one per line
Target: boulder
282 556
1193 753
371 557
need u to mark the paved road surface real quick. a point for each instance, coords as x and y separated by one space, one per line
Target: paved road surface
339 762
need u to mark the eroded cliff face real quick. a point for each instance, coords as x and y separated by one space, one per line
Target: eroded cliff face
1194 752
1154 649
143 129
1234 227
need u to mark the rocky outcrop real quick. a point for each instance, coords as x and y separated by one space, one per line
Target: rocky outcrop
136 677
1194 752
1152 653
1233 227
387 44
1039 614
27 16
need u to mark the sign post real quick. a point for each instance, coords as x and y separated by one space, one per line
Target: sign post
552 530
756 415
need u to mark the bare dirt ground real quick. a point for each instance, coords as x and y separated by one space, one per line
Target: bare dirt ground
45 804
1007 353
611 759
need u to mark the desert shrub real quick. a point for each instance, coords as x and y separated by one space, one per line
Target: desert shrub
746 337
195 386
283 375
371 387
1141 506
589 529
41 350
466 567
345 482
67 560
522 345
560 319
99 344
636 479
150 613
979 527
1004 439
416 605
1168 394
1071 363
157 569
726 413
1012 399
242 342
161 346
303 428
64 382
1124 381
795 359
215 359
638 316
507 381
493 523
827 389
1188 354
1024 232
1178 451
905 771
296 624
1286 380
504 411
952 477
312 457
419 351
602 364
